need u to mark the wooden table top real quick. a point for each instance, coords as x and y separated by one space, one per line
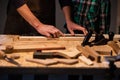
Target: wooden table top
69 43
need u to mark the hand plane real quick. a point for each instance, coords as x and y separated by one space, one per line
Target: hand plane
99 38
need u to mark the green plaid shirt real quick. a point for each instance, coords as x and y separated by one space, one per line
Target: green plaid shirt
92 14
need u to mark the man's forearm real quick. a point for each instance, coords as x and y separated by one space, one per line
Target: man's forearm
67 13
25 12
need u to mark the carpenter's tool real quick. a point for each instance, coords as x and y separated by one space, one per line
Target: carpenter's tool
4 56
87 37
111 36
99 38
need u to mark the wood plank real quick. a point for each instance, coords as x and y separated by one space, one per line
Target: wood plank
27 38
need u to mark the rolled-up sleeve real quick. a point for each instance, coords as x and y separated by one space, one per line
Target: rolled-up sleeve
64 3
18 3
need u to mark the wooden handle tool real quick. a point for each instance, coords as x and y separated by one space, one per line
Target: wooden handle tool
2 55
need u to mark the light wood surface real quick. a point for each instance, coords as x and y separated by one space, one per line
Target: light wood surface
70 43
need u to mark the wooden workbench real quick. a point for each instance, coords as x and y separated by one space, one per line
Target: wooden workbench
69 43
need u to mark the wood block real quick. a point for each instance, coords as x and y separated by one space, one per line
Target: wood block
84 52
85 60
93 53
115 47
102 49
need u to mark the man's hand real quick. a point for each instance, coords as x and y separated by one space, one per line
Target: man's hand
72 26
48 30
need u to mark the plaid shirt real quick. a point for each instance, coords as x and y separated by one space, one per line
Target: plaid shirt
92 14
